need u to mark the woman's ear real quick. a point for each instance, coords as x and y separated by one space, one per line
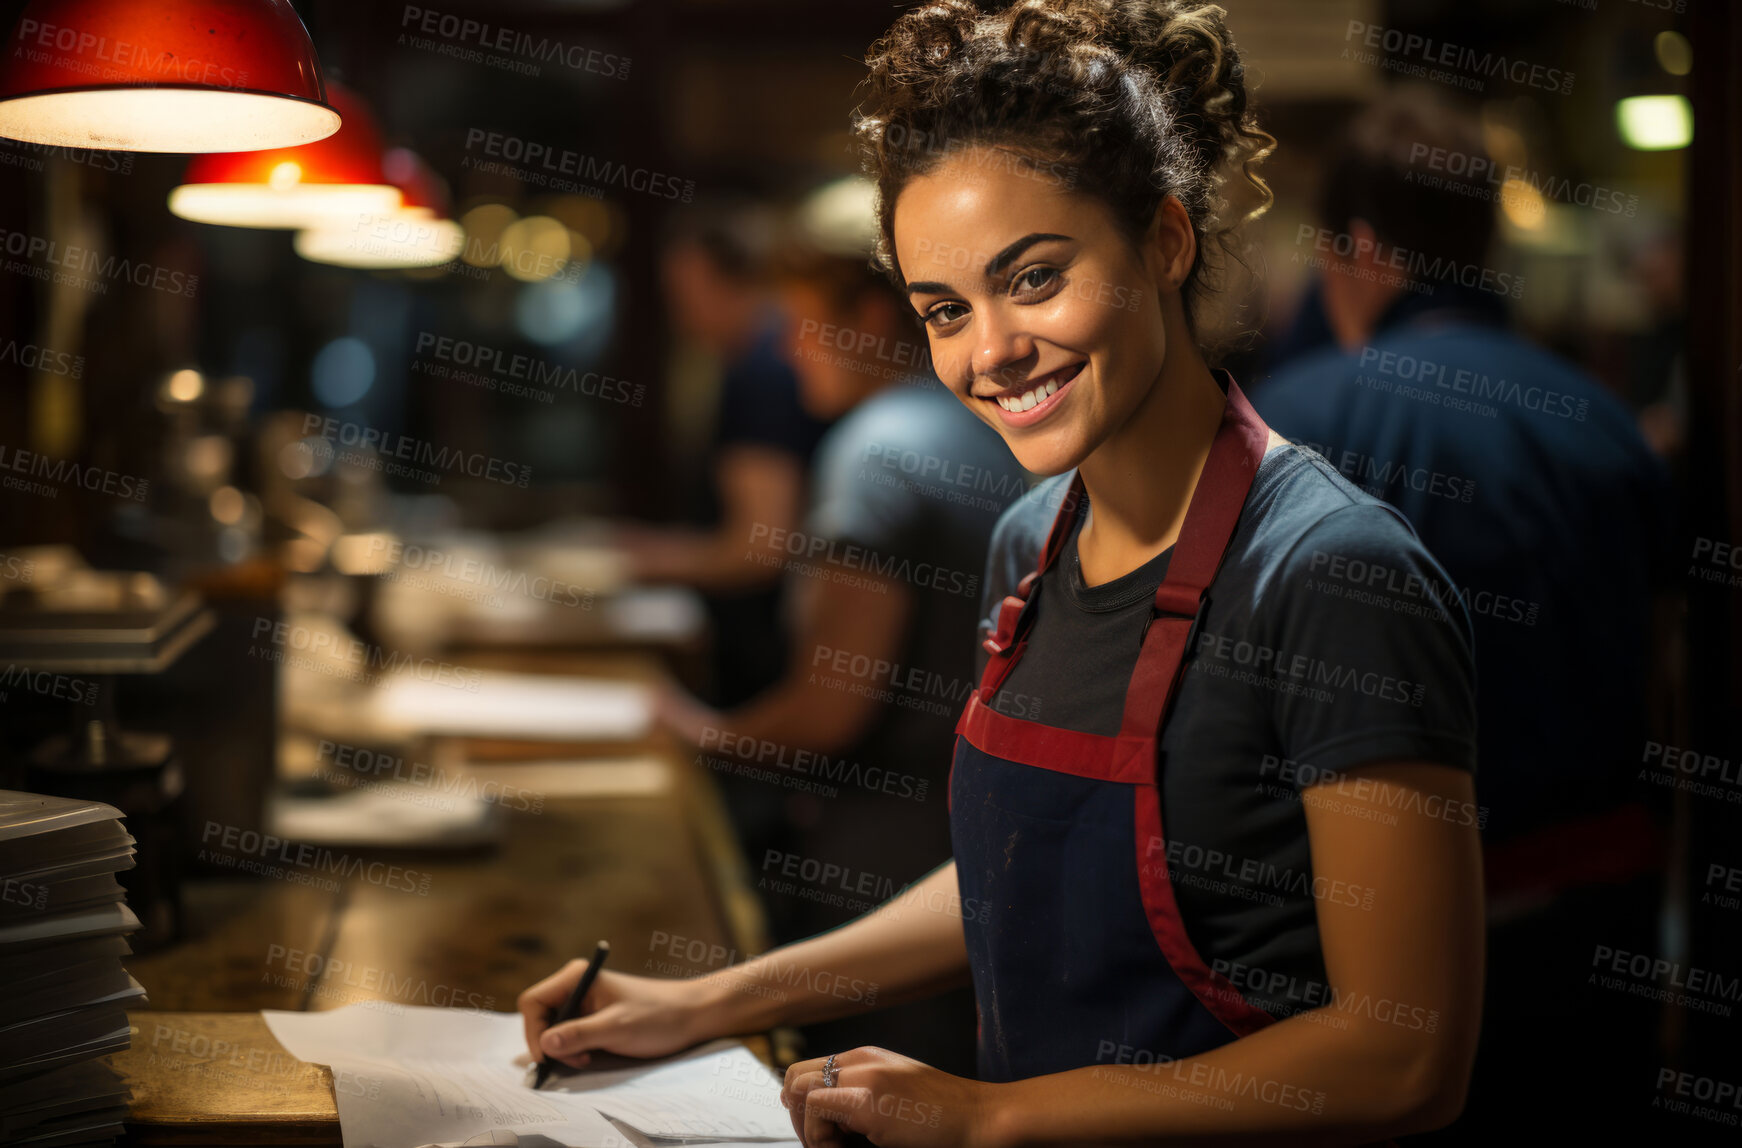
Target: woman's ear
1170 245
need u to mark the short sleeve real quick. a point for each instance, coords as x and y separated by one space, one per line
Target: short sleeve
1017 541
1372 648
759 406
853 502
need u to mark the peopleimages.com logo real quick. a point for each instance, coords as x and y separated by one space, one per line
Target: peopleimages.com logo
481 42
1458 65
391 445
59 473
1396 265
504 367
817 554
559 168
70 265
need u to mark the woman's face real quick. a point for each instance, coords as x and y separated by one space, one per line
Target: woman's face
1044 319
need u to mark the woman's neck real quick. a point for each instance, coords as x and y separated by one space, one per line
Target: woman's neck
1140 481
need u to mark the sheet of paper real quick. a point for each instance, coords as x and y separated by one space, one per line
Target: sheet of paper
387 813
431 1076
719 1091
111 918
515 705
640 776
656 614
601 568
424 1076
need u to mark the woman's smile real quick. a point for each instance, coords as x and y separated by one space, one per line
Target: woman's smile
1035 399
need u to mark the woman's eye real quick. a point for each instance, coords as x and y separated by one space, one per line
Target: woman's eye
945 313
1036 279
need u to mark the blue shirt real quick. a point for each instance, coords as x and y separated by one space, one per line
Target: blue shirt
1532 486
759 401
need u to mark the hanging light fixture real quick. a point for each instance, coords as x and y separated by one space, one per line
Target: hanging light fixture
416 234
332 180
163 75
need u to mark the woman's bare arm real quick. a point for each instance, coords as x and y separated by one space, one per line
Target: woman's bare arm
909 948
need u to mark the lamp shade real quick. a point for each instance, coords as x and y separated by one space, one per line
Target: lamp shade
163 75
406 238
415 234
331 180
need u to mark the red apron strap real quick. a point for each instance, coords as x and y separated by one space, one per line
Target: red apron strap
1005 645
1214 510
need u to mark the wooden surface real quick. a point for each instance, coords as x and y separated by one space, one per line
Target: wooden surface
222 1078
468 930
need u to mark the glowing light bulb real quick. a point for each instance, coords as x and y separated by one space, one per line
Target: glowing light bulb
285 176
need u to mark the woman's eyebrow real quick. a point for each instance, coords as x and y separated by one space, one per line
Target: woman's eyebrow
997 264
1005 257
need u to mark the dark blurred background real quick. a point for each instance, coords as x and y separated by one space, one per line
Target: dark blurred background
741 96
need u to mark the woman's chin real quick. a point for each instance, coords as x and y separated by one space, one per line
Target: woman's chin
1047 459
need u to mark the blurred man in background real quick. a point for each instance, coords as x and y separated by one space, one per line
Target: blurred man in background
715 272
885 572
720 297
1533 486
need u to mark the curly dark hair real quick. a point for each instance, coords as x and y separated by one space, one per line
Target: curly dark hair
1132 100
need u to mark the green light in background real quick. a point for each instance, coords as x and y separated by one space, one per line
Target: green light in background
1674 54
1655 123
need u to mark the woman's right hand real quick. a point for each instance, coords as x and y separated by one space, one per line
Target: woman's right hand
623 1014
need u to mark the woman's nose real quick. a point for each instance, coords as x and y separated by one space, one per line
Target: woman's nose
1002 350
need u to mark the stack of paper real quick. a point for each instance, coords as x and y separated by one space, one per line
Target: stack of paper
424 1076
62 927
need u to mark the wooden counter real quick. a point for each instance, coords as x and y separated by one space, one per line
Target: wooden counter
636 870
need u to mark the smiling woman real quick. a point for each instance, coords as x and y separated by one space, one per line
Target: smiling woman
1061 185
1230 887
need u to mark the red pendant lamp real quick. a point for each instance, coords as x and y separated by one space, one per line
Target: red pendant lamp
332 180
163 75
419 233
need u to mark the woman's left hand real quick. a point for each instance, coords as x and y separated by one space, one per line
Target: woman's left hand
888 1098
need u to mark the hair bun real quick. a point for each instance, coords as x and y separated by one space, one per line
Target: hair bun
921 44
1044 27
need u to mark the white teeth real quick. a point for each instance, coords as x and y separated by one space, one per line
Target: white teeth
1028 399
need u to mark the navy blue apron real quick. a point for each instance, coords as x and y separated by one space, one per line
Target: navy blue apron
1078 953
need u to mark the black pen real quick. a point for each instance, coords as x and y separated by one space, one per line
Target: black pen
572 1007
